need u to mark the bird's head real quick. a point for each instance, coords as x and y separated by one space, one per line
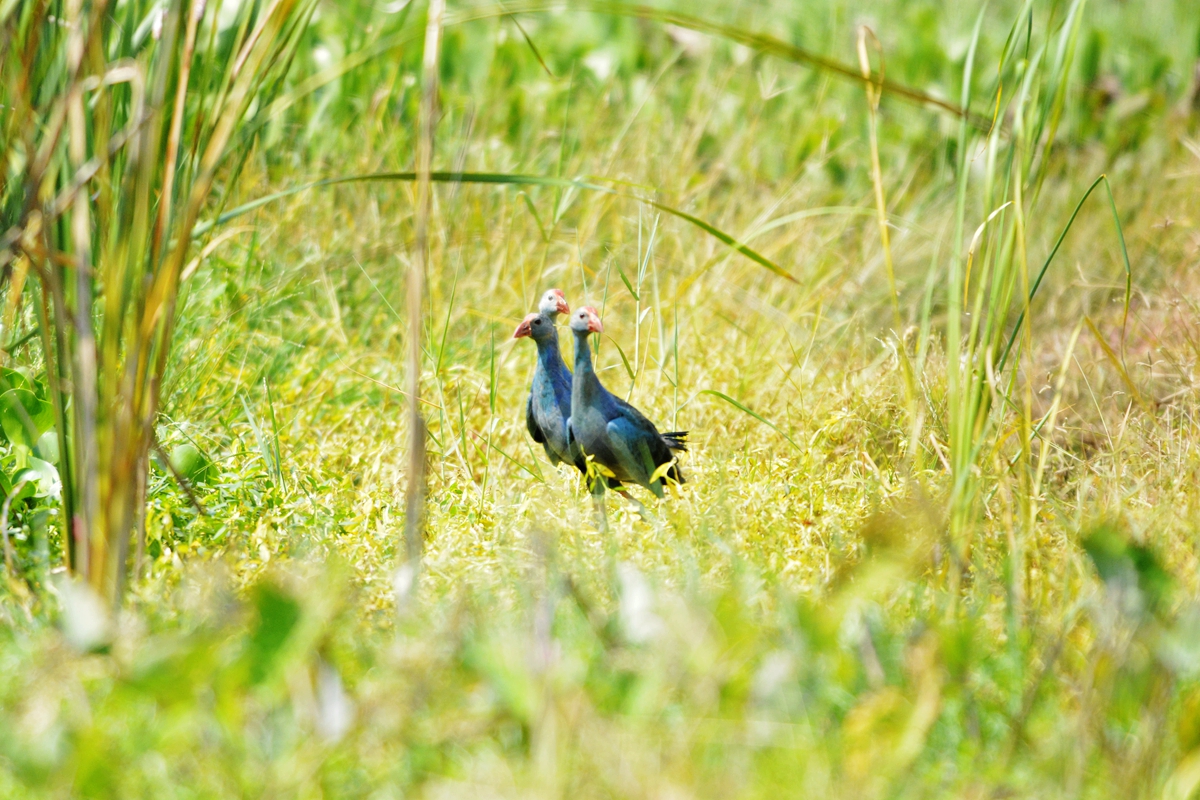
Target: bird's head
586 320
554 302
533 325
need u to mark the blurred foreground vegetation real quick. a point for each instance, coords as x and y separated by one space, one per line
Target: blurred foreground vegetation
823 610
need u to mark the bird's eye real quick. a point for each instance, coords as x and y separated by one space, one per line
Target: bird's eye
537 322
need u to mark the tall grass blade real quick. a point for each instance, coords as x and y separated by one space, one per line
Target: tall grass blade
1119 366
502 179
874 93
532 47
1054 251
624 360
750 412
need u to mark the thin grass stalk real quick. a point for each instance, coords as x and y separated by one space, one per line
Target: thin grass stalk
124 269
982 394
1028 119
84 379
1017 328
955 282
257 56
991 309
1026 507
414 503
185 70
1048 121
874 93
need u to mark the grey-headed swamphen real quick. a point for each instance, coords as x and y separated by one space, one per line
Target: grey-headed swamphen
613 433
549 404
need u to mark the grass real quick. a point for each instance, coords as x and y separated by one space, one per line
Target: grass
112 143
803 619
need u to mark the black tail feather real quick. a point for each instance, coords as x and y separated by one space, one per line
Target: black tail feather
676 440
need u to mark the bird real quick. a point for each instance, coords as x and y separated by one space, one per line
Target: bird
620 439
548 409
549 404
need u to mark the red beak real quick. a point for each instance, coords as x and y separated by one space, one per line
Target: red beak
524 329
594 323
563 308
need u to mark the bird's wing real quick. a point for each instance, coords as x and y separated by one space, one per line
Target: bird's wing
538 434
675 440
535 430
633 449
660 444
628 408
575 450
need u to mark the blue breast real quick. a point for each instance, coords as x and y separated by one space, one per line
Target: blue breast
551 396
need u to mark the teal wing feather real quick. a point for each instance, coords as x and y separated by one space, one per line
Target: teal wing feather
631 446
536 432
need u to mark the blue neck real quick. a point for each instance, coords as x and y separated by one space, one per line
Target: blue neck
583 356
549 355
586 386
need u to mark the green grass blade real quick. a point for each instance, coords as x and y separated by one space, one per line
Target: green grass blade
624 360
1112 203
536 217
1054 251
628 285
746 410
533 47
498 179
1117 364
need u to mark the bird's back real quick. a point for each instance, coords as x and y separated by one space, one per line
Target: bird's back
623 420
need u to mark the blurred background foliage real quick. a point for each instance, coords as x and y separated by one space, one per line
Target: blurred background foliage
789 627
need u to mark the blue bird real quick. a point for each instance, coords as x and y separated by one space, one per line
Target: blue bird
549 405
624 444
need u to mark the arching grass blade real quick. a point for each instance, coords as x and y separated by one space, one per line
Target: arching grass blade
501 179
746 410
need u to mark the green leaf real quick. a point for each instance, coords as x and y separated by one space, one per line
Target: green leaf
42 477
628 285
43 418
15 379
47 447
624 360
19 411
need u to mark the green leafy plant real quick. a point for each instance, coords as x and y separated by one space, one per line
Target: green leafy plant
118 122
